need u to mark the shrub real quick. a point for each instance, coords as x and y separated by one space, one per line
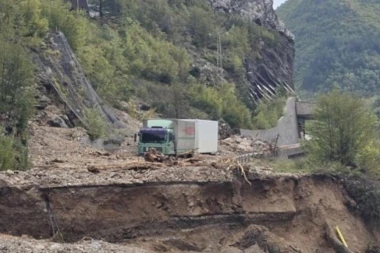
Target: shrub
73 25
366 194
36 25
368 159
269 112
201 27
7 153
207 99
344 130
96 125
13 153
234 111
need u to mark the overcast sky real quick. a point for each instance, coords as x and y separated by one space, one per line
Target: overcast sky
276 3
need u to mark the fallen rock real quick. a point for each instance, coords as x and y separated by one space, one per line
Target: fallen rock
56 160
239 144
10 172
93 169
154 156
57 122
225 130
43 102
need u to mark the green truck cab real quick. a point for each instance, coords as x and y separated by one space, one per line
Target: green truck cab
157 134
161 139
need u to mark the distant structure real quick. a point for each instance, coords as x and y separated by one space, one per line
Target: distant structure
290 128
79 4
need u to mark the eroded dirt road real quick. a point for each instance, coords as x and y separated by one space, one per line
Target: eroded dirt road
198 209
97 201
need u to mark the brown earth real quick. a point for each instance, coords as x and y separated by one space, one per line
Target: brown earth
185 212
85 196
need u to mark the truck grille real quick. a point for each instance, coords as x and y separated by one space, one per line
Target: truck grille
156 148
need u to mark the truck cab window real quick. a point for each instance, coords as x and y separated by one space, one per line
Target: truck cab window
152 138
171 137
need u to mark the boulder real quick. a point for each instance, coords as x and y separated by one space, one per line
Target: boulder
43 102
57 122
225 130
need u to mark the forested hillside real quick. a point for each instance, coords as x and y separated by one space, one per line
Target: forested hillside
156 47
181 57
337 43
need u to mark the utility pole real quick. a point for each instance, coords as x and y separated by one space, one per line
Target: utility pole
219 56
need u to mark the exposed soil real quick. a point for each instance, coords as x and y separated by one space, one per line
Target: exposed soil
97 201
10 244
80 198
184 213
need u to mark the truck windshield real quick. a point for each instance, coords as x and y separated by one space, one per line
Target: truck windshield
153 137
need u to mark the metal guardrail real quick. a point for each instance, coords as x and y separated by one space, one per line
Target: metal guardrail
246 158
291 151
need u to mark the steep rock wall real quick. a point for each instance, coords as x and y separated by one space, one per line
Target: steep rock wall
274 66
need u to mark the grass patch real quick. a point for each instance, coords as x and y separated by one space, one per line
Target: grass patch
306 165
291 165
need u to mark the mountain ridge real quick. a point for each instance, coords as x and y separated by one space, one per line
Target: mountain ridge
335 44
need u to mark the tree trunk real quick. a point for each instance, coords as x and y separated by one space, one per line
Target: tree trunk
101 8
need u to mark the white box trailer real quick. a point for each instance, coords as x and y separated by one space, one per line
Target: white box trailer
176 136
195 134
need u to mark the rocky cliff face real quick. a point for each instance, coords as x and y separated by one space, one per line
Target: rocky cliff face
259 11
274 66
79 4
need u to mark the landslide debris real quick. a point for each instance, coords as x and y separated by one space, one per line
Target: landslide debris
245 144
77 191
182 209
10 244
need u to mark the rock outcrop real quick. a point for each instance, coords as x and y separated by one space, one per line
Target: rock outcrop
273 67
59 70
79 4
259 11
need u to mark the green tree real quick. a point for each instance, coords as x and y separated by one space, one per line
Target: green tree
72 24
202 27
268 112
207 99
343 129
36 25
95 123
110 8
7 153
16 85
234 111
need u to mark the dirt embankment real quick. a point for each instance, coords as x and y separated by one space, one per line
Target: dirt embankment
204 208
283 212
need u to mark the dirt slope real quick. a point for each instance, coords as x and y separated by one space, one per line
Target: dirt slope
206 207
183 209
10 244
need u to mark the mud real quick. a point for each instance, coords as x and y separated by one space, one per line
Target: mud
278 212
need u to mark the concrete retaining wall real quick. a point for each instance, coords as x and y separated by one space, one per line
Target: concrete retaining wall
286 129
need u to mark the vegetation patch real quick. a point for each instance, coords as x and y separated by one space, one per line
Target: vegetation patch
336 44
96 125
345 130
366 194
269 111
